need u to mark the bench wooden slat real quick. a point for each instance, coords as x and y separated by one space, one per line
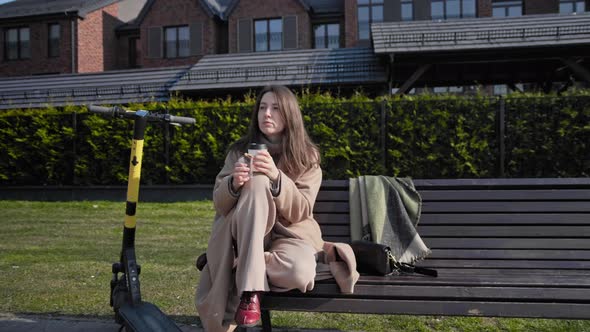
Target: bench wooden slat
341 207
331 195
510 254
478 195
557 231
345 239
341 185
335 230
331 218
545 294
505 264
478 219
505 195
564 219
483 243
504 218
498 184
429 307
484 277
506 243
505 207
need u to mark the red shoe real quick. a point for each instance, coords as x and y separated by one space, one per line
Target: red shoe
248 313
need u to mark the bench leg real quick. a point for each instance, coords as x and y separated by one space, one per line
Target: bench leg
266 323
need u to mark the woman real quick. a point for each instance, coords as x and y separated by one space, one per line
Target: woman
264 236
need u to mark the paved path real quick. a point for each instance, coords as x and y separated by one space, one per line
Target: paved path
34 323
31 323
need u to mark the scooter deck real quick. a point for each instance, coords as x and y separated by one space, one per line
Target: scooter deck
146 317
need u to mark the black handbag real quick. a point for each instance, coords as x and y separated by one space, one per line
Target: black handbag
377 259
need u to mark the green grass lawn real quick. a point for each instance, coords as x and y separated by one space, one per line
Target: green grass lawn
55 258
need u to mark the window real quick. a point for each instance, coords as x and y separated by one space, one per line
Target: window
448 9
17 43
268 35
369 11
500 89
503 89
407 10
176 42
53 38
327 35
134 55
571 6
507 8
448 89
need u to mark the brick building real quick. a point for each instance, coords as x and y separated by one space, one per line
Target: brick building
66 36
160 33
171 33
203 27
62 36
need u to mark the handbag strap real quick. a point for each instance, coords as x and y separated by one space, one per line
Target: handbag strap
410 268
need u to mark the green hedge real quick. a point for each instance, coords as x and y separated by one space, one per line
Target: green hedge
426 136
548 135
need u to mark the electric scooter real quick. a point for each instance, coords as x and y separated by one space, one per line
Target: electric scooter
131 311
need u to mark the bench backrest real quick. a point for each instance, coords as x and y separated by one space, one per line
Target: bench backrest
488 223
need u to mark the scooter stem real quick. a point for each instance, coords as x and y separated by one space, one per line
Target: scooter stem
128 251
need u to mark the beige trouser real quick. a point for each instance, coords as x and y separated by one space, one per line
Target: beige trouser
287 264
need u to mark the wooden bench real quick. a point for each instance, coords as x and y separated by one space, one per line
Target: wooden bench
502 247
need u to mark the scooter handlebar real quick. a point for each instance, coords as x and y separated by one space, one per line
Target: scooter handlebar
152 117
181 119
102 110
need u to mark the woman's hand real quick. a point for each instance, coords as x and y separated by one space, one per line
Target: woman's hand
264 163
240 175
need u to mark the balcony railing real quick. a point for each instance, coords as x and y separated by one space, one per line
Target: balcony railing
487 35
330 71
123 90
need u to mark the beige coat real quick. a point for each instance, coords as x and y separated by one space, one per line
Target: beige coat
289 224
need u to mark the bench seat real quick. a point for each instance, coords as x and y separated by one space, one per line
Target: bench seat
502 248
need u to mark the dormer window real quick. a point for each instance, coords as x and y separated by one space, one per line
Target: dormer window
176 42
17 43
327 35
571 6
449 9
507 8
407 10
53 40
369 11
268 35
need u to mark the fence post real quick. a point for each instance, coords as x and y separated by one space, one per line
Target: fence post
501 137
383 128
74 154
167 148
349 135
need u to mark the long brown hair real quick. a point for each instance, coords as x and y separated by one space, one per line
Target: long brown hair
299 153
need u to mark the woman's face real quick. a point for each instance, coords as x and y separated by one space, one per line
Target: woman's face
270 121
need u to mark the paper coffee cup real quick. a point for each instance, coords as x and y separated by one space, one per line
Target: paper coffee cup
253 150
